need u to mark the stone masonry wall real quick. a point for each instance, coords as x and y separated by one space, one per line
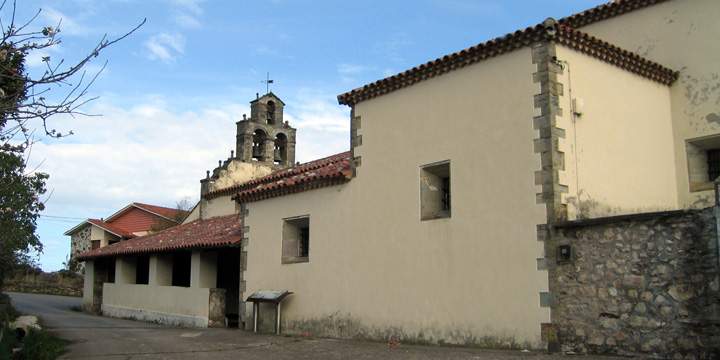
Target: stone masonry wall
80 242
642 284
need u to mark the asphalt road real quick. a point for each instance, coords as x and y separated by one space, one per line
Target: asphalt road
97 337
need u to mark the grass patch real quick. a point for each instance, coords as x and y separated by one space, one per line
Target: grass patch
42 345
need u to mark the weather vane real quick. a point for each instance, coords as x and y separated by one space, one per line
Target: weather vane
267 83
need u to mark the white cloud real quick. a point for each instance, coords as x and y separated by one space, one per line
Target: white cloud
187 13
68 25
35 58
350 72
323 126
145 153
393 47
192 6
187 21
165 47
153 153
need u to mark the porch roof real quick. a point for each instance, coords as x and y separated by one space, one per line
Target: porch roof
215 232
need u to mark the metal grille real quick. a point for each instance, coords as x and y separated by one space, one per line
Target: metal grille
446 194
713 160
304 242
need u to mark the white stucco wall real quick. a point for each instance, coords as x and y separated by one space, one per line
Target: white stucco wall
171 305
374 268
219 206
681 34
619 153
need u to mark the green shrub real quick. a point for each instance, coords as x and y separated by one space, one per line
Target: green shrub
42 345
7 344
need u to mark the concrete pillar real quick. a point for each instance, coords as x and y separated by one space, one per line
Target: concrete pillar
125 268
269 150
290 161
160 270
88 282
203 269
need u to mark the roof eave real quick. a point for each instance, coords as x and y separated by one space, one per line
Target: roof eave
75 228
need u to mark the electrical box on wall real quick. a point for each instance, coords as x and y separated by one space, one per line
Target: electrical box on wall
578 106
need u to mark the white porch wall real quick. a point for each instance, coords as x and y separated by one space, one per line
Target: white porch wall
172 305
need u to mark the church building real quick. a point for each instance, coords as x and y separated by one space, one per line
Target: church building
436 226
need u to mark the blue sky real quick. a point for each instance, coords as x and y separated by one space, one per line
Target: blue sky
171 92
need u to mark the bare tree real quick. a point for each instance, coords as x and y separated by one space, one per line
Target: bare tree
28 102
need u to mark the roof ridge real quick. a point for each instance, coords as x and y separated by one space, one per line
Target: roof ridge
159 206
280 174
606 11
548 30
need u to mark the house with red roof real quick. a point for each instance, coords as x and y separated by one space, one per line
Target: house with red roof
133 220
439 224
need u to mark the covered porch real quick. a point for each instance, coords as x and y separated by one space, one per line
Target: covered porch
188 275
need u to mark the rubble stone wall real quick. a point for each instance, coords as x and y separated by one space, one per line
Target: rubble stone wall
643 284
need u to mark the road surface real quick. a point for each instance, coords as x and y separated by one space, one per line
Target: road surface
97 337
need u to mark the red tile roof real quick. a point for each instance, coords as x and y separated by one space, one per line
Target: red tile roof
327 171
216 232
111 228
606 11
128 219
556 32
169 213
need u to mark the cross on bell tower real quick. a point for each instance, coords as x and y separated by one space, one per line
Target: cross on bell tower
267 83
265 137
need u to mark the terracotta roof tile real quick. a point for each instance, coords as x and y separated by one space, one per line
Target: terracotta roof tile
169 213
111 228
558 33
614 55
330 168
606 11
209 233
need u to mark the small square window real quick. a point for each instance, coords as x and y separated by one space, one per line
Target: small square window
296 240
435 192
703 159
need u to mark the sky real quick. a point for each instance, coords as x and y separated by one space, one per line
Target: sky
170 94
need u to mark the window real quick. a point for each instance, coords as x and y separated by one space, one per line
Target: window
703 159
94 244
296 240
435 194
142 270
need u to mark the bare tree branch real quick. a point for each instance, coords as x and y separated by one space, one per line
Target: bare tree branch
26 98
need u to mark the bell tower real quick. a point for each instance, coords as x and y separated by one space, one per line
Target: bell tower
265 137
